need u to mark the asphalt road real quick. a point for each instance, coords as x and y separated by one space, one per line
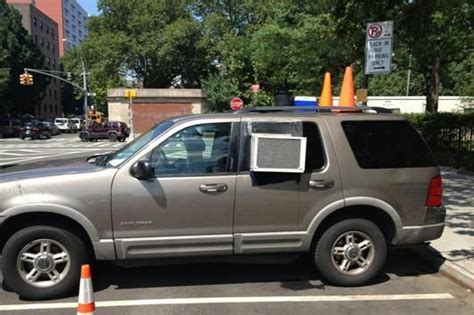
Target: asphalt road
16 151
408 286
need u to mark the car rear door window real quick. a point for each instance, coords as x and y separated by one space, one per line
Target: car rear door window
387 144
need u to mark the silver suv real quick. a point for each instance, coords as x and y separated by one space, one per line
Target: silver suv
341 185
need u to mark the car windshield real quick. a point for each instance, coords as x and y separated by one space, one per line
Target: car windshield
118 157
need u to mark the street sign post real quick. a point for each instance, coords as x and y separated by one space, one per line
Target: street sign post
378 47
130 93
236 103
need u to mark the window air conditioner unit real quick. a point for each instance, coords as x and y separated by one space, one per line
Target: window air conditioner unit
277 153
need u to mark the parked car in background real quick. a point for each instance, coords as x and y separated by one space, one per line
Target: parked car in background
63 124
35 130
52 127
77 122
10 127
111 130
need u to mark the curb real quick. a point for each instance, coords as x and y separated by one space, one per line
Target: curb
446 267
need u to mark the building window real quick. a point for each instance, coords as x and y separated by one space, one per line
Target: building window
52 33
50 93
42 42
36 38
47 29
50 108
47 45
34 21
55 96
53 48
41 25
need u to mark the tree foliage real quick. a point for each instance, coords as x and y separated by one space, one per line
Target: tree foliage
226 46
17 51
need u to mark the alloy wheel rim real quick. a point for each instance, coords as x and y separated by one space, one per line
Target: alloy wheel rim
353 253
43 263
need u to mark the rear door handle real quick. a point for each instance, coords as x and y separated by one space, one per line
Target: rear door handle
321 183
212 188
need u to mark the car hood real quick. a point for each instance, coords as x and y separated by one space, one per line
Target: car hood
47 169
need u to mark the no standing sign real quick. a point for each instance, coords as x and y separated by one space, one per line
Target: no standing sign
378 47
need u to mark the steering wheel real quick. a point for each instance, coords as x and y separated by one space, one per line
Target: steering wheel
158 158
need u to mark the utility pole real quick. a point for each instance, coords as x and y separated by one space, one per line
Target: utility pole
84 88
408 76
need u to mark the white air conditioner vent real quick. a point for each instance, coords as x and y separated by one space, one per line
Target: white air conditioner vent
277 153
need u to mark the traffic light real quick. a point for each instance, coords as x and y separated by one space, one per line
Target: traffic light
29 79
26 79
23 77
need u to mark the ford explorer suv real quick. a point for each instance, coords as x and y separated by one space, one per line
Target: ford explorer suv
111 130
340 184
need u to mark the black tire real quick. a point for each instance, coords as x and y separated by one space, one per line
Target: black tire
112 137
22 137
327 263
48 136
69 284
84 137
122 139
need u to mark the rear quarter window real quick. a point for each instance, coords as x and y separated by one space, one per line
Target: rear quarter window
387 144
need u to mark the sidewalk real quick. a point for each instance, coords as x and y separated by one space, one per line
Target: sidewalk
457 242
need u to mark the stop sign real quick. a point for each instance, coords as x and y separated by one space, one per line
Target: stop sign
236 103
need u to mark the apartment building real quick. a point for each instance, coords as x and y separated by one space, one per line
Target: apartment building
44 31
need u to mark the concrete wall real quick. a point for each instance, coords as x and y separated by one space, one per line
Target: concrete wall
412 104
152 106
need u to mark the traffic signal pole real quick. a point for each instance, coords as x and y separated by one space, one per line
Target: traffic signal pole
83 88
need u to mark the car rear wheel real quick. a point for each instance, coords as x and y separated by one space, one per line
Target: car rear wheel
84 137
43 262
112 137
351 252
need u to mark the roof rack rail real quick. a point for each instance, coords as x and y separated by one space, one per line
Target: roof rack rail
328 109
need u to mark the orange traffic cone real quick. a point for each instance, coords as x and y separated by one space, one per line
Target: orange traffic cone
86 305
326 93
347 90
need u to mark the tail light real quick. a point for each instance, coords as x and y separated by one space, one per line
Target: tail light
35 129
435 192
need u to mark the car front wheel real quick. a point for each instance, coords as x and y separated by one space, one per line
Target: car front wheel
84 137
351 252
43 262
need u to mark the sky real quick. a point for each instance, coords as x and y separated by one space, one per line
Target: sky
90 6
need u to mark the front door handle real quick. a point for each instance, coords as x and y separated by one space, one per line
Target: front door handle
212 188
321 183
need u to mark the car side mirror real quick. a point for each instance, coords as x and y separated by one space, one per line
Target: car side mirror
142 170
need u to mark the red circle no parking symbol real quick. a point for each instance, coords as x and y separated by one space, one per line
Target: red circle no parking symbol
374 30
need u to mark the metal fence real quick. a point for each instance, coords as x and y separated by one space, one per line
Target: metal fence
453 146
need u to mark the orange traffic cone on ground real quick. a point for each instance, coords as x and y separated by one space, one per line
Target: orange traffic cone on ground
86 305
347 90
326 93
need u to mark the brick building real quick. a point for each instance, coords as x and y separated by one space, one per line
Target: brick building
44 31
71 19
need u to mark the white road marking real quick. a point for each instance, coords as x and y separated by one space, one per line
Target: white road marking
244 299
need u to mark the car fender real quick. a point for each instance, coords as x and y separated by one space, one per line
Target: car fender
55 209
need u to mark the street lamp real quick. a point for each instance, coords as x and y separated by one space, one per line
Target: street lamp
84 81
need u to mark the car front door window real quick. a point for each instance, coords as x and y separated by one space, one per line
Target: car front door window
193 151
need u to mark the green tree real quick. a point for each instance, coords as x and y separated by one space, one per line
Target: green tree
17 51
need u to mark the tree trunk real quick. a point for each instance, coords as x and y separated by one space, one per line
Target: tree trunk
432 81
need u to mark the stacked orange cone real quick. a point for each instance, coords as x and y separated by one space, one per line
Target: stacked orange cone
326 93
86 305
347 90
